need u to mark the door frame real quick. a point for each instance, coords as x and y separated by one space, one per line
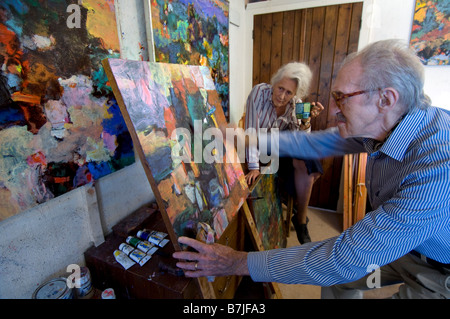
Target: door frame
264 7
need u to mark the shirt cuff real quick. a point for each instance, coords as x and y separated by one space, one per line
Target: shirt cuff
253 166
257 266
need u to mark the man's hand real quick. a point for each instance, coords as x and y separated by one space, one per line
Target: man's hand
211 260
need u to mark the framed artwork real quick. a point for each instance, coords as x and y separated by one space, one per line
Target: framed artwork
173 113
60 125
194 32
430 36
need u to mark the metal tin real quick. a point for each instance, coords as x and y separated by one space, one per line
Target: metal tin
86 290
54 289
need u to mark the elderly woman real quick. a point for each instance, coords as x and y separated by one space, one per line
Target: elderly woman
273 106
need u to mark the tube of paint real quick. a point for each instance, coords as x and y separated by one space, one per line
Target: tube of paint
135 254
123 259
155 237
142 245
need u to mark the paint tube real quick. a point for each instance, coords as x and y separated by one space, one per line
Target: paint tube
135 254
123 259
142 245
153 236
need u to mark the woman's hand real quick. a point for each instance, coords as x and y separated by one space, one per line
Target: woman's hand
316 109
252 176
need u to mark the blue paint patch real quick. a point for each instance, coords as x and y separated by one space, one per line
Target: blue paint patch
10 115
160 162
99 170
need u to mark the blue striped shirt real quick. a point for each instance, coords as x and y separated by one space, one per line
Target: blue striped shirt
408 183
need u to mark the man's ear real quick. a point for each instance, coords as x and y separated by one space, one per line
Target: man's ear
388 98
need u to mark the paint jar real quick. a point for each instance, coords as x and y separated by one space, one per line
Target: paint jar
54 289
135 254
108 294
142 245
302 110
86 290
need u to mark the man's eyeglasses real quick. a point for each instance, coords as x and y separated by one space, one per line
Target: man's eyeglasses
339 96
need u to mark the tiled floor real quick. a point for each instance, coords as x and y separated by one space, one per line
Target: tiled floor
322 225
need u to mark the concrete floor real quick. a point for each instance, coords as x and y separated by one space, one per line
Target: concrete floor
322 225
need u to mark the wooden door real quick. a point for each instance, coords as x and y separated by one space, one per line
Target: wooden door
321 37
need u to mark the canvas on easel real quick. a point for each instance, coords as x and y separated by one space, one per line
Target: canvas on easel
170 110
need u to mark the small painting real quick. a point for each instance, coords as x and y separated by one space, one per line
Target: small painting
430 36
265 204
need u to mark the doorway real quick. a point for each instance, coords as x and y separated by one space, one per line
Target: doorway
321 37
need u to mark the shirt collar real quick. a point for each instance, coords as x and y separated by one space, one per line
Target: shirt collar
402 136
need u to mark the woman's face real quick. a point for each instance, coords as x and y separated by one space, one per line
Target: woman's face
283 92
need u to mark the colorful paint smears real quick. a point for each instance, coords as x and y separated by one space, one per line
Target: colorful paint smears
60 126
430 36
171 107
194 32
265 204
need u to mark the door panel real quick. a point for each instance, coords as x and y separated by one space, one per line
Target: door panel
321 37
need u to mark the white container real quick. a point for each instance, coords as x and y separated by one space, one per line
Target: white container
108 294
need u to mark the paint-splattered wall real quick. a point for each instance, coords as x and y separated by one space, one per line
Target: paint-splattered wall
194 32
60 126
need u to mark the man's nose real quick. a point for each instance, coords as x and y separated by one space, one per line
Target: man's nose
334 107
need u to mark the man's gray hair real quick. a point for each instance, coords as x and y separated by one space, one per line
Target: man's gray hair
392 63
297 71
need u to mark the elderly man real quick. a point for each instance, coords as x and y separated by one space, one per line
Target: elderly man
381 109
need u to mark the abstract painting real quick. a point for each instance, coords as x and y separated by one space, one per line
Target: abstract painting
430 36
194 32
170 109
60 125
265 204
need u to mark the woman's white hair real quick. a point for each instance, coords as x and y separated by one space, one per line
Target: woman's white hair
297 71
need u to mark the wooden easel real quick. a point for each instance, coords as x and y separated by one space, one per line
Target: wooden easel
355 191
